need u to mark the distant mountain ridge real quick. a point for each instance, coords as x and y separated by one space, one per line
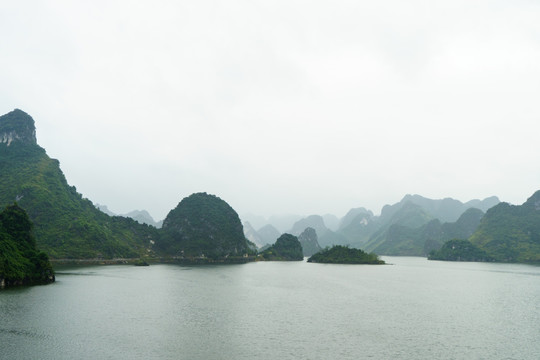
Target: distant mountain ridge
141 216
266 235
420 241
326 236
448 209
414 226
402 228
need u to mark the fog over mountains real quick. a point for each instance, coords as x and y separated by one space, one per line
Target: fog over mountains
413 226
141 216
67 225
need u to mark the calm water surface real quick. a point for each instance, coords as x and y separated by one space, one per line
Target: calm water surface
414 309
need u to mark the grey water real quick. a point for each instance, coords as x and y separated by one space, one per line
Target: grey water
413 309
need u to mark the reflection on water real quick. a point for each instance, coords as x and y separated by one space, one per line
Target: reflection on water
415 309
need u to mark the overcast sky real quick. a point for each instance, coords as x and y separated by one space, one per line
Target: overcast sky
304 107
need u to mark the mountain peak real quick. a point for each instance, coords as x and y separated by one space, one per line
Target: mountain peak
17 126
534 201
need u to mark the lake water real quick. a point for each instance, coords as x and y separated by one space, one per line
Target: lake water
414 309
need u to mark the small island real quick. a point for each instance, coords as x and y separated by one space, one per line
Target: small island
338 254
286 248
204 229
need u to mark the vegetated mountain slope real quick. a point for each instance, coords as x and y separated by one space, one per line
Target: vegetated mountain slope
20 262
66 225
464 227
446 210
409 215
511 233
420 241
203 225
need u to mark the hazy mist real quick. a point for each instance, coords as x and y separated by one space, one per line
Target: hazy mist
283 107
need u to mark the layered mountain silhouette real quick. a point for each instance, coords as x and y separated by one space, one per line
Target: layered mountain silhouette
66 225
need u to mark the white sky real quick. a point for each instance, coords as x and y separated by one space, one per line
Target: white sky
306 107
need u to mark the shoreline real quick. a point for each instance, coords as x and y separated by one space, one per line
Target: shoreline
134 261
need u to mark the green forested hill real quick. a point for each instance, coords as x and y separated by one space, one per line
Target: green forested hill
286 248
204 224
66 225
511 233
20 262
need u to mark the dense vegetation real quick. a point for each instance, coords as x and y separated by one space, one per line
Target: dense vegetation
345 255
66 224
204 225
510 233
286 248
459 250
20 262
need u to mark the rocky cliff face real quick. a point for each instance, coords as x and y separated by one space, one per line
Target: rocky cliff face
17 126
252 235
309 241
